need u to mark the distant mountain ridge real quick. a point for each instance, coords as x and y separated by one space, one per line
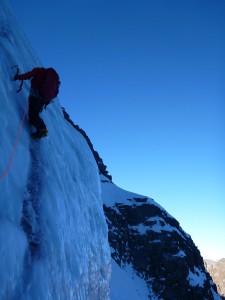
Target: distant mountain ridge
217 271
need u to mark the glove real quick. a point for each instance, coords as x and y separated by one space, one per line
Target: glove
16 77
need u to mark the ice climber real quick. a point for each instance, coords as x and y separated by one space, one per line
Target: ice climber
44 87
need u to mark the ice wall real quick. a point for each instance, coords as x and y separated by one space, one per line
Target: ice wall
53 234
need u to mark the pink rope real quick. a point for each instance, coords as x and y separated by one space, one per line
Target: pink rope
15 145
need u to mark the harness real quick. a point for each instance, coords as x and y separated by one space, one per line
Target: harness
34 92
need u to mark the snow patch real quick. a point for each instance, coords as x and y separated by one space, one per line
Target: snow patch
125 284
196 278
181 253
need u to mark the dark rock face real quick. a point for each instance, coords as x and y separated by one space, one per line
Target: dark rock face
217 271
142 234
102 168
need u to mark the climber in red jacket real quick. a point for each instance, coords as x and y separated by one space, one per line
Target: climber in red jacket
44 87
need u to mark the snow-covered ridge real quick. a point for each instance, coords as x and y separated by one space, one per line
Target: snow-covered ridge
52 226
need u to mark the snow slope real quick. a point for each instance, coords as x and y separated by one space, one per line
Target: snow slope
53 234
125 284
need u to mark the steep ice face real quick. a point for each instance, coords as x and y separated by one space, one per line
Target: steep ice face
53 234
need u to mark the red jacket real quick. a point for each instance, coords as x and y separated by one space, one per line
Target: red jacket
36 74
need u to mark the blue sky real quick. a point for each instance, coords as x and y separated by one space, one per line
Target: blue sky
145 80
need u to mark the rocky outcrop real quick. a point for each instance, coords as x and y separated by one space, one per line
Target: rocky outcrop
101 166
142 234
217 271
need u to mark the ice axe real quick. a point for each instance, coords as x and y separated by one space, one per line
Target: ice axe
17 73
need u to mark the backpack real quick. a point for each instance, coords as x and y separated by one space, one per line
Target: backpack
49 87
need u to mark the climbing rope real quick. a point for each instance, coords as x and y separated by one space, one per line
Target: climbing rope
17 140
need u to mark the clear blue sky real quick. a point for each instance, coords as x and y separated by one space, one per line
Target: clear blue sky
146 80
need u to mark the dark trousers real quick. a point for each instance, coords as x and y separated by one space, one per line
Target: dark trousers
35 107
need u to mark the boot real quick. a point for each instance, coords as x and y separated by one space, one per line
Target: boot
39 134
